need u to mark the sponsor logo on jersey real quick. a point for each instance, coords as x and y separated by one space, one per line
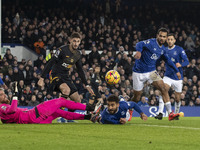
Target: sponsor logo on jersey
175 53
3 107
123 113
173 59
154 56
65 65
146 42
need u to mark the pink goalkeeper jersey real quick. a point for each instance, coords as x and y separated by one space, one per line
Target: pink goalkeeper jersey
13 114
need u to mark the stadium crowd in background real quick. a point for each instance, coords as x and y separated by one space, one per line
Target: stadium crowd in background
110 27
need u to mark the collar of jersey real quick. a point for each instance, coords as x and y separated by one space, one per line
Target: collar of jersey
172 47
158 44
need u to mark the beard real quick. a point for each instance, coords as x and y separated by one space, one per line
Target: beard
112 111
75 47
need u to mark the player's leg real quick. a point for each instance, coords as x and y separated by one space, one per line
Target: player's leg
59 83
157 82
138 85
177 86
161 105
65 90
49 107
137 96
75 97
65 114
162 88
69 115
177 102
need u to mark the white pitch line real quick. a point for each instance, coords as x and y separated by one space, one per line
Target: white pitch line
162 126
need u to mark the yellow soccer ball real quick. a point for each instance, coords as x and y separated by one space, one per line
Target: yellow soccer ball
181 114
112 77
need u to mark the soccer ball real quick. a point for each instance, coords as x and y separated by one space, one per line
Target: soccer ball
112 77
181 114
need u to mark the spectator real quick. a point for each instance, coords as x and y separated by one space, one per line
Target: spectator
94 54
143 102
27 93
39 45
197 103
22 101
33 101
21 71
48 97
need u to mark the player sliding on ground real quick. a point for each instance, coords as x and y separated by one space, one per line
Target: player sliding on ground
117 111
42 114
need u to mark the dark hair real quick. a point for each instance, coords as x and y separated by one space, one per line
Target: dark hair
172 34
162 30
113 98
75 35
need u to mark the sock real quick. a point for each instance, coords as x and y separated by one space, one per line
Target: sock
161 105
71 110
177 106
64 96
168 107
87 117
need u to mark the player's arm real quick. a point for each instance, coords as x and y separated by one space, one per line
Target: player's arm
48 66
137 108
184 58
46 71
172 65
139 47
12 109
82 75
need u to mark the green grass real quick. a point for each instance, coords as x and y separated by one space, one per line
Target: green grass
135 135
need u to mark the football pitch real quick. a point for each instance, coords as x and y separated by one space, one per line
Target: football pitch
84 135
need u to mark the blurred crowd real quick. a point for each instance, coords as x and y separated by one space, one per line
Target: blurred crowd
110 30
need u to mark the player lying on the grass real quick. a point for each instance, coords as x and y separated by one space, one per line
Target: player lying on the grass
43 113
117 111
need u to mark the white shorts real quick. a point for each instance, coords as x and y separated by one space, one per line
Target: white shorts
140 78
177 85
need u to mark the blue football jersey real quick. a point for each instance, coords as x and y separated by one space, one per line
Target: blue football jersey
122 112
177 55
151 52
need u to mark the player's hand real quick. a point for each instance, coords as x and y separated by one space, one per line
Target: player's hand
90 90
178 65
143 116
122 120
137 55
41 82
178 75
